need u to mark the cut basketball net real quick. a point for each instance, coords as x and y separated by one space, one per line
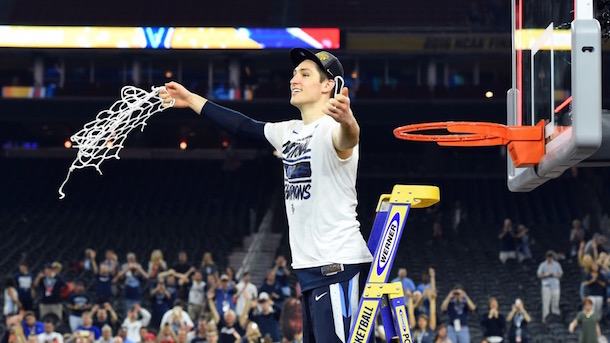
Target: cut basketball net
103 137
525 143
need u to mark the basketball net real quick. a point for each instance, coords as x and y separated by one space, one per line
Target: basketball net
102 138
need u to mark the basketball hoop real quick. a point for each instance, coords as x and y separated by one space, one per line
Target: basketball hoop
525 143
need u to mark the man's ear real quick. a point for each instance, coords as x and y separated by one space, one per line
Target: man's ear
328 85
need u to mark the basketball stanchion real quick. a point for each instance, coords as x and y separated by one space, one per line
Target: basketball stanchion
378 295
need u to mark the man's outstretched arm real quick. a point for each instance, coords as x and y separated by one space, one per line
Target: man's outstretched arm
235 122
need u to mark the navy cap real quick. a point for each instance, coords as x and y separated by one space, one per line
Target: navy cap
324 59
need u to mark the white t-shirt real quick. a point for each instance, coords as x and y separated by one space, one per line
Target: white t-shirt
196 293
252 291
133 328
53 337
320 194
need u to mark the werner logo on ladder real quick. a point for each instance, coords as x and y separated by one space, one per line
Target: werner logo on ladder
378 295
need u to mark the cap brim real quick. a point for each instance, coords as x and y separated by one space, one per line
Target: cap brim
298 55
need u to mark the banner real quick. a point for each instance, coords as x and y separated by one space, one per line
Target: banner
104 37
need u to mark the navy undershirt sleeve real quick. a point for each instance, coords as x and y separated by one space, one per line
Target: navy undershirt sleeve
235 122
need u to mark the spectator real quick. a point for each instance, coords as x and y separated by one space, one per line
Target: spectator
25 281
171 283
589 331
212 336
30 325
267 316
166 334
106 335
104 315
507 242
407 284
518 319
147 337
229 327
523 243
595 289
87 263
177 317
223 296
183 266
77 303
16 335
273 288
156 264
181 336
137 318
244 288
577 235
253 334
103 281
133 276
117 339
457 304
493 322
160 298
595 246
423 331
442 335
50 335
196 296
12 305
51 285
88 325
427 286
112 261
231 274
281 274
123 334
550 272
208 267
198 335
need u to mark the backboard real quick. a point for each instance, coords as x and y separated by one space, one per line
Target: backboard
556 78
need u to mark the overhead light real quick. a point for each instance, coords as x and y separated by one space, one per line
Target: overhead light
183 145
67 144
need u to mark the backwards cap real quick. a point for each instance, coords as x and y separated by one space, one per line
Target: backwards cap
324 59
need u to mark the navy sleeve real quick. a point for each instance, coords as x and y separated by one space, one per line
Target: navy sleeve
235 122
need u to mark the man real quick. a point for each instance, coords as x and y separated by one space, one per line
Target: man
30 325
123 334
281 274
457 304
104 315
550 272
577 235
106 335
137 318
133 276
223 295
507 242
24 280
50 285
88 326
590 330
77 303
246 290
177 315
272 287
50 335
103 281
267 316
408 286
197 335
320 159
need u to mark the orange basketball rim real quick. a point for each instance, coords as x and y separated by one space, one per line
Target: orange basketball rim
525 143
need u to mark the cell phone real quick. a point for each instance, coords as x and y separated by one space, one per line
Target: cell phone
518 302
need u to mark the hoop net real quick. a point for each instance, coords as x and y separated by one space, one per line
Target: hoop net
102 138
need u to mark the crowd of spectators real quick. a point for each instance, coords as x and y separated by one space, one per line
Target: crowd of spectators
154 302
114 302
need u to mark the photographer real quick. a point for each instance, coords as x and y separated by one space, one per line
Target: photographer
493 322
133 276
457 304
518 319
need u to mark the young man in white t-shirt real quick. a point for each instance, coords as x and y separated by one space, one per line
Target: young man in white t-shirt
50 335
320 158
